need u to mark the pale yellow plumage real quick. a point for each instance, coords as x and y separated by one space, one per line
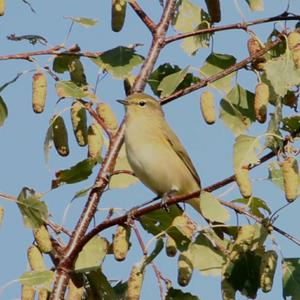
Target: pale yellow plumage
154 152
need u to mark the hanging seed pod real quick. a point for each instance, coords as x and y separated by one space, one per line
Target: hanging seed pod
294 46
228 291
118 13
267 270
207 104
2 7
243 182
35 259
39 92
28 292
42 239
135 282
121 242
261 101
290 175
253 47
213 7
171 248
74 292
79 120
43 294
95 140
293 40
105 112
185 268
60 136
77 74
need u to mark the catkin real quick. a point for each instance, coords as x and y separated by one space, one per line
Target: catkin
290 173
261 101
207 104
118 13
39 92
60 136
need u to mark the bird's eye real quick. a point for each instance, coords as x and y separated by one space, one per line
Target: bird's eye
142 103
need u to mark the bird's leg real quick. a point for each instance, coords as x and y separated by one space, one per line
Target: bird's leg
164 198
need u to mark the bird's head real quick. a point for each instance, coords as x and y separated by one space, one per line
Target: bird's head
140 104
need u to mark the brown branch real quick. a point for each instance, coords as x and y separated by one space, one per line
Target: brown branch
242 211
243 25
217 76
145 252
107 167
143 16
52 51
156 46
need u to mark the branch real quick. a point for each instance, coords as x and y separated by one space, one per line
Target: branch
242 211
107 167
143 16
52 51
242 25
217 76
156 46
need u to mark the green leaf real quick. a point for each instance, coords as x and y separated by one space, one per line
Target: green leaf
86 22
192 44
159 221
215 63
244 151
158 247
274 139
256 5
292 124
33 210
72 64
291 278
92 254
69 89
3 111
212 209
254 205
169 83
99 286
165 70
282 73
205 257
278 49
121 289
180 232
245 274
120 181
237 110
42 279
82 193
118 61
175 294
275 174
77 173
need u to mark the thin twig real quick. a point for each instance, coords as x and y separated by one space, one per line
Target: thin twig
52 51
240 26
219 75
145 252
143 16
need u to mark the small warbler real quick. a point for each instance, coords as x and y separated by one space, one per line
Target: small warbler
154 152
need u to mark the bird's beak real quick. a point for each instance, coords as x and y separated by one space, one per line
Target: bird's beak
124 102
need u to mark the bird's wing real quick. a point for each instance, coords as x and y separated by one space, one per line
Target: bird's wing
180 151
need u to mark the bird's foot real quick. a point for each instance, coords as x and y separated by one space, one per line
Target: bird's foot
165 197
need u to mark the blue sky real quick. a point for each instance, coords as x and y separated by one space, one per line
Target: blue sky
210 147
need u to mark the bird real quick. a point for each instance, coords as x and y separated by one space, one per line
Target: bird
155 153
